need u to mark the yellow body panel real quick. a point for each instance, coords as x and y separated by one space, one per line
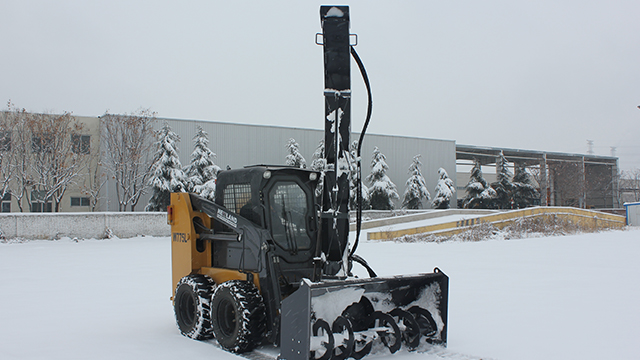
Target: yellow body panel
222 275
185 258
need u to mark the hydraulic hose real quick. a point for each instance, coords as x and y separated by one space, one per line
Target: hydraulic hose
358 151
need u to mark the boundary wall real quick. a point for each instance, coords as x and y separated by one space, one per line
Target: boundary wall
97 225
392 217
587 218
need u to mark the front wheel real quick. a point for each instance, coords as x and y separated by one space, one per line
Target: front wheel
191 306
238 316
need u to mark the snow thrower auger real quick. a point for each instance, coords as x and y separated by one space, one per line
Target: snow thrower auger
269 262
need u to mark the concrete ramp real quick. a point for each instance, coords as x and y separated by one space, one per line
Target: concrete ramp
586 218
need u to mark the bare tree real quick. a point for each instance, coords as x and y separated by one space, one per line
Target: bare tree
16 158
635 183
6 167
93 184
58 156
41 156
630 185
128 139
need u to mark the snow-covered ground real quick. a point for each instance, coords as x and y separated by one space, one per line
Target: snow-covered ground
573 297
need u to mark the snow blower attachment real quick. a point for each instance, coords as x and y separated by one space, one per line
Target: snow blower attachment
269 262
348 316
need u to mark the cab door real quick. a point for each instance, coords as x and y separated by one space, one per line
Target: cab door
291 219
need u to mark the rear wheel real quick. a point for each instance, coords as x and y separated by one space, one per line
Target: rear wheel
191 306
238 316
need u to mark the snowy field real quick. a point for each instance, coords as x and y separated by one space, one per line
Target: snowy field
573 297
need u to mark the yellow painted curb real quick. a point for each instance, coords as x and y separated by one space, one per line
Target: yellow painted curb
587 218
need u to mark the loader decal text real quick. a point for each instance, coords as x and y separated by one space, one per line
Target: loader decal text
227 218
180 237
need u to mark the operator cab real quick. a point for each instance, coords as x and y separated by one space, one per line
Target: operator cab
279 199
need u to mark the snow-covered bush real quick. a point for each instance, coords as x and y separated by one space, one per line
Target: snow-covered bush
444 190
130 140
416 187
382 191
202 172
166 172
520 228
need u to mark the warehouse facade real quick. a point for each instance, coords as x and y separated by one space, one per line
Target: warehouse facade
238 145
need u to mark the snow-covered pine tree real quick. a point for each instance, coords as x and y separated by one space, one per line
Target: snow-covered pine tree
444 190
525 192
479 194
416 187
503 186
353 181
294 158
166 172
382 191
202 172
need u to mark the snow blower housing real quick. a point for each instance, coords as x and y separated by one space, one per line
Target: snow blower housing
270 262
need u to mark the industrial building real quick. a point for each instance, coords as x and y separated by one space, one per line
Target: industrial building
238 145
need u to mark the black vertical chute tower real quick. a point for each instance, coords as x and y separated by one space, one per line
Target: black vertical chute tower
337 127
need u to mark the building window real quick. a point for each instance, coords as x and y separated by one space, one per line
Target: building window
6 202
5 140
81 143
37 201
42 143
80 201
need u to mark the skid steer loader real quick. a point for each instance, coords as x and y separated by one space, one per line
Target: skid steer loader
270 261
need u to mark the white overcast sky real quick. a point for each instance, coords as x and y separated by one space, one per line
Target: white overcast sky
539 75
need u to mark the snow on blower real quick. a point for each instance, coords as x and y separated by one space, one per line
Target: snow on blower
269 262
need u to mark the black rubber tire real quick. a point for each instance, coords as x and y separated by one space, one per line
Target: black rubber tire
238 316
391 339
340 324
191 305
428 326
317 325
411 333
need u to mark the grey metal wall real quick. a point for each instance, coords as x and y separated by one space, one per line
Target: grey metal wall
238 145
